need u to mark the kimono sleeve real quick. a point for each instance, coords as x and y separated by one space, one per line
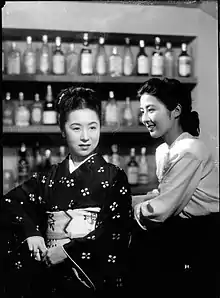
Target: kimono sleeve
102 254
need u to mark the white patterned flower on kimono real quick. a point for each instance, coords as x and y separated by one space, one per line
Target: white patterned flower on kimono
40 199
113 206
111 259
37 227
105 184
91 237
8 200
54 208
116 216
101 170
19 218
91 160
51 183
85 191
62 180
32 197
86 255
116 236
18 265
43 179
34 175
119 282
123 190
70 182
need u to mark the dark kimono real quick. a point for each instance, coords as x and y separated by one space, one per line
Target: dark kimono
87 211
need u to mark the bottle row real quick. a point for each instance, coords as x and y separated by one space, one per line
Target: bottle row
38 112
40 160
83 61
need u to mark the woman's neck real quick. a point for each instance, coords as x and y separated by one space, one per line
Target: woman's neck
172 135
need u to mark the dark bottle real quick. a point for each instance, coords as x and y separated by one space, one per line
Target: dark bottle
38 159
132 169
47 161
23 164
49 112
142 60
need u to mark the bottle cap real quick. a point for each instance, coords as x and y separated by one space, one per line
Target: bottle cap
29 39
141 42
45 38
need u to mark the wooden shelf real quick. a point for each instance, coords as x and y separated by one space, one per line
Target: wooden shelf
44 129
86 79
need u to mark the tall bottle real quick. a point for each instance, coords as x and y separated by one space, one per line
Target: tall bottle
3 60
184 62
62 153
143 168
49 112
36 111
111 115
47 161
169 61
22 113
127 116
128 61
23 164
8 110
29 58
115 158
101 58
14 60
86 64
58 58
157 63
132 168
38 159
44 57
115 63
142 63
71 60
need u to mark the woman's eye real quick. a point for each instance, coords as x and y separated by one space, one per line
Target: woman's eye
150 110
142 112
75 128
93 127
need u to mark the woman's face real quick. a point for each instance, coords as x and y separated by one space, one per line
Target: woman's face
155 116
82 132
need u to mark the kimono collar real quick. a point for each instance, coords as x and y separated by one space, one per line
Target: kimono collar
72 167
184 135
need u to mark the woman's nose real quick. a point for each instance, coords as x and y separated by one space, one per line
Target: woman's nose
145 118
84 135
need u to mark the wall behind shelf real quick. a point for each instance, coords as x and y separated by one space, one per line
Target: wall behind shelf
132 18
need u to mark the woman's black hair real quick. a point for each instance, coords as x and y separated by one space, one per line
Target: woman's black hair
75 98
171 93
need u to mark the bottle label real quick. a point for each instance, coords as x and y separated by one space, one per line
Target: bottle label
30 63
111 115
115 66
100 65
7 117
36 115
49 117
22 116
184 66
169 66
86 63
44 63
157 65
71 64
58 64
132 175
14 66
143 65
128 65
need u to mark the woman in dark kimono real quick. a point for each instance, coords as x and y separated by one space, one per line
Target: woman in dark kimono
66 232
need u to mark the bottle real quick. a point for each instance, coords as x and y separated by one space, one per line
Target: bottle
29 58
47 161
58 58
127 116
128 61
115 158
101 59
115 63
132 169
143 65
157 60
36 111
8 181
22 113
14 60
111 111
38 159
44 56
143 168
49 112
71 60
8 110
3 60
62 154
86 67
169 61
184 62
23 164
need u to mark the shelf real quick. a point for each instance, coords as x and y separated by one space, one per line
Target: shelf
86 79
43 129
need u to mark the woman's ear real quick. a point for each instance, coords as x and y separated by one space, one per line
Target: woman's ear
177 111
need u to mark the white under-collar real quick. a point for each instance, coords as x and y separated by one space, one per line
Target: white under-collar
72 167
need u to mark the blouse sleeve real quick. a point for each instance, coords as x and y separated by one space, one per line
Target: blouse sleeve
175 190
103 251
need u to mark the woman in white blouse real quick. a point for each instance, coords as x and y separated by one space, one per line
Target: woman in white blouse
187 196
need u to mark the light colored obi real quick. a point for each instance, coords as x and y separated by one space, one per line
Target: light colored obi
66 225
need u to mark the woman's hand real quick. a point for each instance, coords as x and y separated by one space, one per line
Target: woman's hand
37 247
55 255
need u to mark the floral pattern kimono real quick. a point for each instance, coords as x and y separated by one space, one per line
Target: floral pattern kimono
87 211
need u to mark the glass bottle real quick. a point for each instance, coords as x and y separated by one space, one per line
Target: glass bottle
111 111
8 110
36 111
128 62
115 63
62 153
44 56
115 158
22 113
23 164
169 61
143 168
58 58
127 116
3 60
157 59
38 159
29 58
47 161
71 60
8 180
14 60
184 62
143 65
49 112
101 58
86 67
132 168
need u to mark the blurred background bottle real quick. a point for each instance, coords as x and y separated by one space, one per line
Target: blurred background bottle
128 61
44 56
8 180
115 158
58 58
49 112
22 113
71 60
127 115
142 60
29 58
14 60
157 59
86 62
115 63
184 62
47 161
36 111
111 115
132 169
169 61
37 159
8 110
101 59
23 164
143 168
